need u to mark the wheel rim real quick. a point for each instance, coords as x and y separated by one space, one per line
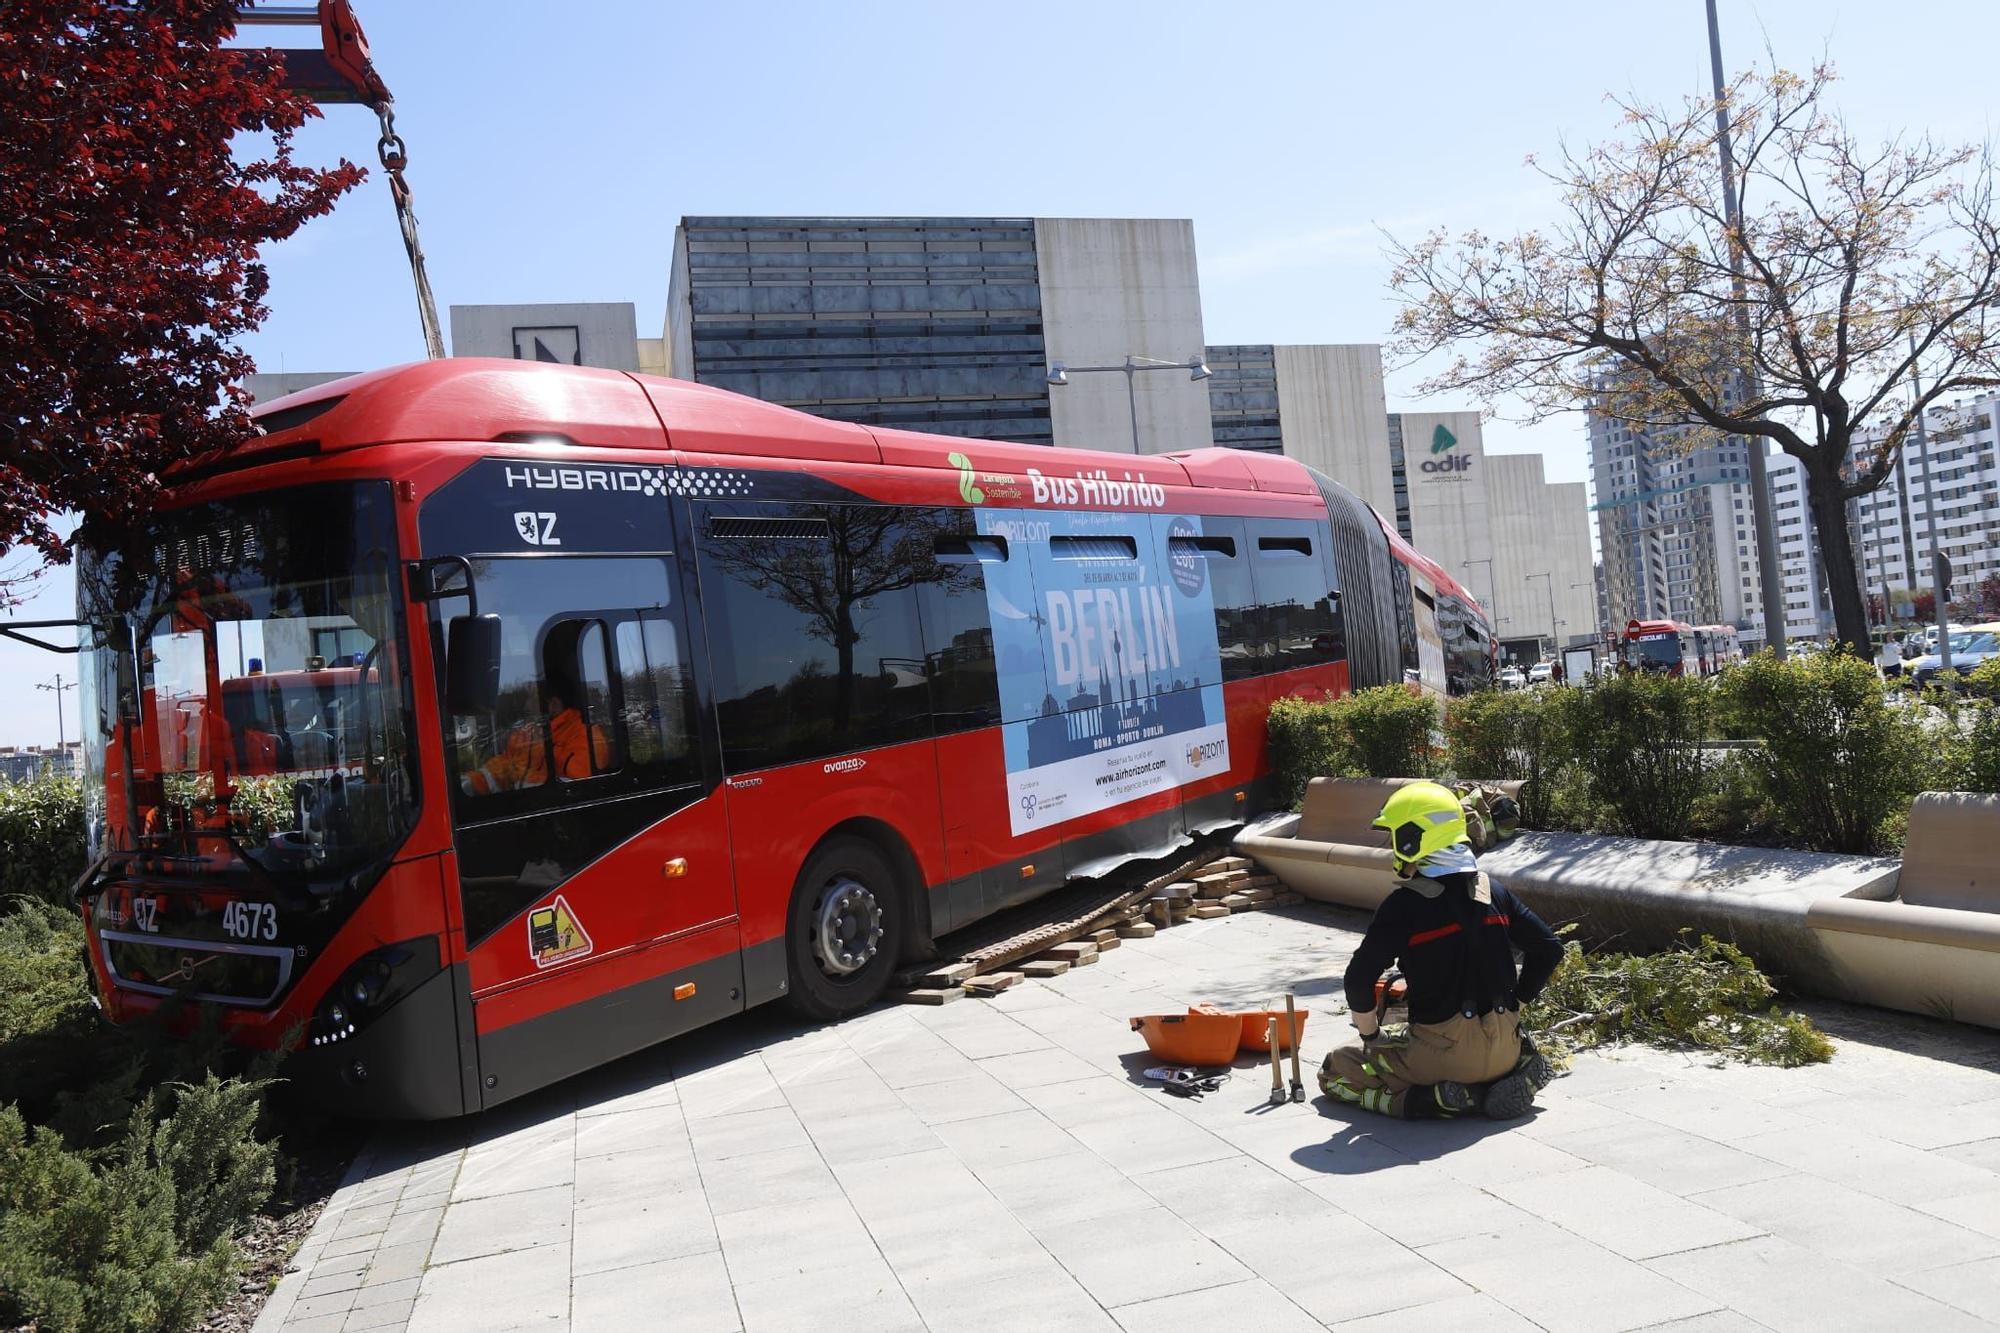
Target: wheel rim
847 927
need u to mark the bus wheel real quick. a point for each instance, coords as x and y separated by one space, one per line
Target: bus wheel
842 936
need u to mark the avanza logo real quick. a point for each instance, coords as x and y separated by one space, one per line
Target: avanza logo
844 766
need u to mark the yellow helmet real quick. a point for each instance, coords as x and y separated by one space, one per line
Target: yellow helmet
1422 817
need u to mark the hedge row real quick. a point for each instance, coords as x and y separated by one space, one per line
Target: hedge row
1828 757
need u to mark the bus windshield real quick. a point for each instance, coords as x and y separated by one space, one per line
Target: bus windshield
245 693
1654 652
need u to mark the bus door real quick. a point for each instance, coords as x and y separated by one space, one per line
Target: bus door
592 846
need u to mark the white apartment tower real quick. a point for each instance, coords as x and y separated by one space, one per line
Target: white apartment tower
1944 493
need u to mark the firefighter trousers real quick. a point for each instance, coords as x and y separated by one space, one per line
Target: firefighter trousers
1462 1049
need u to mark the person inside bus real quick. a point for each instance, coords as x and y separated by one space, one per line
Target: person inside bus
578 748
1453 933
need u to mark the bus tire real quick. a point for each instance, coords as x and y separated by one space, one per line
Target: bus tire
843 930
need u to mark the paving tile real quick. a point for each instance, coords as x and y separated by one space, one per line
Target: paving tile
1176 1257
1787 1287
1253 1304
724 1136
1886 1170
517 1162
387 1293
761 1180
1000 1140
1337 1268
407 1228
328 1323
1624 1215
1222 1198
817 1103
626 1131
761 1244
384 1318
1081 1100
1419 1205
1076 1186
312 1307
641 1230
528 1220
1562 1282
1043 1297
689 1295
1668 1158
396 1263
1973 1288
989 1036
912 1191
965 1098
1979 1211
1981 1152
1035 1068
863 1297
1454 1314
1915 1122
1851 1227
638 1172
867 1136
737 1087
1155 1140
524 1289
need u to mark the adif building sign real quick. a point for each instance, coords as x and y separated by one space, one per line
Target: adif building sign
1445 462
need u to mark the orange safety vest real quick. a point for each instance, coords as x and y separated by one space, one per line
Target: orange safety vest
579 752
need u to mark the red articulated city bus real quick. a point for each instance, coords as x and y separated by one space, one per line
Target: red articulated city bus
1668 647
483 721
1719 647
1445 631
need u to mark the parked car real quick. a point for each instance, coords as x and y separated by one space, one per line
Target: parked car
1969 647
1511 678
1541 673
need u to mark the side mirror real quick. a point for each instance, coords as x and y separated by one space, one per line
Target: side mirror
472 665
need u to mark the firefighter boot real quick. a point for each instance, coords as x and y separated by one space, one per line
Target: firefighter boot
1439 1101
1510 1096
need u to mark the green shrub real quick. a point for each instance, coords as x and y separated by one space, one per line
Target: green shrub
1836 760
138 1237
1983 681
42 960
41 837
1306 743
1389 731
1705 996
1638 739
1979 765
1515 735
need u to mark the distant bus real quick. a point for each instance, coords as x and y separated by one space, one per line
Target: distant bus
1666 647
1718 647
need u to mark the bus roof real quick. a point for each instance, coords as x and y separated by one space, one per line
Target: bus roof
1658 627
487 399
1432 570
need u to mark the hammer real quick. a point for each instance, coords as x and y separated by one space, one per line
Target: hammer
1292 1026
1277 1067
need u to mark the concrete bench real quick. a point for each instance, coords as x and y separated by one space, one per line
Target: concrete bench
1935 947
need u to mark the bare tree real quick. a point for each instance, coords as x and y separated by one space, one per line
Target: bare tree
1859 266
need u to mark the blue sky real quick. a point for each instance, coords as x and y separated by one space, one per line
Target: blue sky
554 146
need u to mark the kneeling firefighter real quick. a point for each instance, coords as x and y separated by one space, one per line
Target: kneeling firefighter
1453 933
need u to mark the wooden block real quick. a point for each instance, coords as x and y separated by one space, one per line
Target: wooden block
931 995
991 983
1072 952
1230 863
1209 911
1044 967
1084 961
1106 946
1180 888
951 974
1264 882
1259 895
1108 933
1215 877
1138 930
1210 892
1234 901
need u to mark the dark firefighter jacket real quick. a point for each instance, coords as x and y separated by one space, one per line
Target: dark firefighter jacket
1456 954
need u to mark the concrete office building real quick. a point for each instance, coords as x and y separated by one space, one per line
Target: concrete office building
1322 404
1808 609
1674 525
1944 493
265 387
948 324
1518 543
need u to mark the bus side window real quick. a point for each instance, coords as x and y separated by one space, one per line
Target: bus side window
1226 551
958 631
653 675
598 712
1294 596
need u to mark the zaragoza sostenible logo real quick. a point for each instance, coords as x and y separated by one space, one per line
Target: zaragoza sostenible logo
967 491
1442 439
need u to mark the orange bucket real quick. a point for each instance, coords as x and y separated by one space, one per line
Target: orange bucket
1257 1027
1204 1040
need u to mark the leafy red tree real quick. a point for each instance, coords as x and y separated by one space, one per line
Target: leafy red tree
1985 598
129 234
1924 606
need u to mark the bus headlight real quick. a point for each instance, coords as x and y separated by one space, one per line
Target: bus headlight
371 985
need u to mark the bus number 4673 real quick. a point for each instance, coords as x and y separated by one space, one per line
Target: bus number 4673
250 921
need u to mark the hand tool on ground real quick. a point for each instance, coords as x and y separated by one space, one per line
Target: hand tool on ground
1278 1097
1292 1027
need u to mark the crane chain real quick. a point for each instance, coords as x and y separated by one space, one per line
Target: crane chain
395 156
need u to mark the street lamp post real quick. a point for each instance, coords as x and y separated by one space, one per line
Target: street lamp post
1492 589
1196 366
1549 582
58 688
